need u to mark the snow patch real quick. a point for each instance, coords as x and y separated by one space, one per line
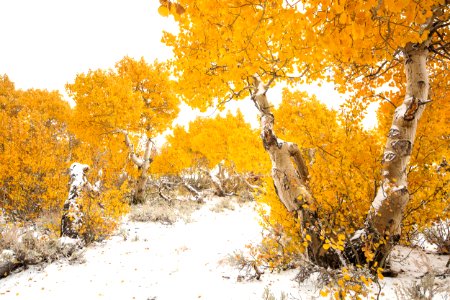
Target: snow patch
77 176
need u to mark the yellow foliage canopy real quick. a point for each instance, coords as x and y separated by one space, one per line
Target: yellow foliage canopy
34 150
211 141
136 97
222 43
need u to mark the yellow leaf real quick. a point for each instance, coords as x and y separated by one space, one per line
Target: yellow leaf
343 18
180 9
163 11
424 35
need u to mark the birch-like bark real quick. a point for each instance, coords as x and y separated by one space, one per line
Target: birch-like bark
385 215
134 158
289 171
139 196
143 164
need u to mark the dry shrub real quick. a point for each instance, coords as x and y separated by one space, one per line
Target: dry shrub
31 247
246 195
426 288
439 234
247 264
170 187
160 212
50 222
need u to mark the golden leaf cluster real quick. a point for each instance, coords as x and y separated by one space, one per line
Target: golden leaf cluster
34 151
208 142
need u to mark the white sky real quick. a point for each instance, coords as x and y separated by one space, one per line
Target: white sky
45 43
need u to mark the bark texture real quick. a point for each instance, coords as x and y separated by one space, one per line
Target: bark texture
290 175
289 171
143 164
386 213
143 176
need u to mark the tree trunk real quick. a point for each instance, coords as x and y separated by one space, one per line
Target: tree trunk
143 164
289 172
72 218
386 213
139 194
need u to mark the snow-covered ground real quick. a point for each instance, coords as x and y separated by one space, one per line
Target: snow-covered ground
181 261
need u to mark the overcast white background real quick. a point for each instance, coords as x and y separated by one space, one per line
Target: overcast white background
45 43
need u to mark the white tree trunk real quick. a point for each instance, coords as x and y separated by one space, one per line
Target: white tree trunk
385 215
72 218
289 171
139 196
143 164
289 174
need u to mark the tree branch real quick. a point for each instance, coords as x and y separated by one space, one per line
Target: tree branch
134 158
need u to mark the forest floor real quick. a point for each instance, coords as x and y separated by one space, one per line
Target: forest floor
189 260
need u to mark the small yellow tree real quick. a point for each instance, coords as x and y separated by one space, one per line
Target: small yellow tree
135 101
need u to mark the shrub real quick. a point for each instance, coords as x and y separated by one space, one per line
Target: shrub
30 246
101 213
158 212
439 234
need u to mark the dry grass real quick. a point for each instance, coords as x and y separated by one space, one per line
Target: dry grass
426 288
163 212
50 222
225 203
268 295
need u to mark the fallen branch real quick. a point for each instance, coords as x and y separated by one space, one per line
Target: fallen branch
198 196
